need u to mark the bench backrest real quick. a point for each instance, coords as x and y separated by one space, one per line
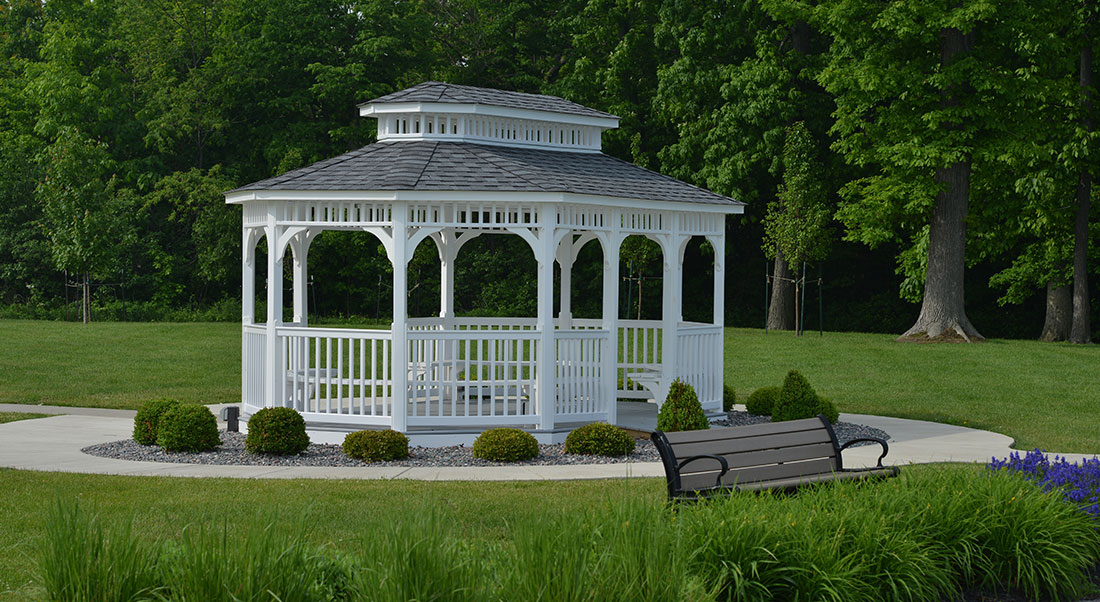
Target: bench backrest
759 452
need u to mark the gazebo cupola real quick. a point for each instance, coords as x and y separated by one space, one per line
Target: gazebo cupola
453 163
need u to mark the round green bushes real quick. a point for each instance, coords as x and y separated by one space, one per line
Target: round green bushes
797 400
376 446
681 411
188 427
762 401
729 398
599 439
278 431
147 421
505 445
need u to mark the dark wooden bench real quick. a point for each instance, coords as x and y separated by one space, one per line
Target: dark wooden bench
775 455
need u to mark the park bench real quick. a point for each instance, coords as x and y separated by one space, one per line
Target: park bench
774 455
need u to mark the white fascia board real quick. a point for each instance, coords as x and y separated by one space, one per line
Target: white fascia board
430 196
368 109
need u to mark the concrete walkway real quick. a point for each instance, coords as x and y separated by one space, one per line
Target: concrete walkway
54 444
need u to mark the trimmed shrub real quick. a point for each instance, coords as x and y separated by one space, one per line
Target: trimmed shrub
681 411
278 431
797 400
828 408
376 446
147 421
505 445
729 398
188 427
762 401
599 439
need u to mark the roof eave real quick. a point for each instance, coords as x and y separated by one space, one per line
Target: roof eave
369 109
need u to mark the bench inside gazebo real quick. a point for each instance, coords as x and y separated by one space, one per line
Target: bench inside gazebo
453 163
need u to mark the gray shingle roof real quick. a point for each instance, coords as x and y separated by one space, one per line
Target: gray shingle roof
443 92
465 166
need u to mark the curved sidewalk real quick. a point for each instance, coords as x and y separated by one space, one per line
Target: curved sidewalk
54 444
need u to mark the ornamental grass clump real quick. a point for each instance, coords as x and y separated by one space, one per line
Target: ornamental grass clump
276 431
599 439
1078 483
681 410
505 445
188 427
376 446
147 421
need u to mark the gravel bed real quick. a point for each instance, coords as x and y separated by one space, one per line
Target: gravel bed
232 452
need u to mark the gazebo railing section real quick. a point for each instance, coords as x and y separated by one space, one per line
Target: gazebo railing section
482 372
466 378
336 372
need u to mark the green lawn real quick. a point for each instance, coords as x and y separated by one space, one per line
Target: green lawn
1042 394
13 416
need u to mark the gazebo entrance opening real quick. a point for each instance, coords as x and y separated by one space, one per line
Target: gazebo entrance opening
477 162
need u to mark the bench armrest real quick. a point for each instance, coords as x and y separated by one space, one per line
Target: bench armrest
885 448
721 460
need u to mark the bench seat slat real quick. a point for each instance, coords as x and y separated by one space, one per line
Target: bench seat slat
760 458
777 472
752 430
741 445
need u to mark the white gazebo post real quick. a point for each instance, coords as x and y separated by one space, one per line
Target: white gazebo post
275 372
612 240
248 277
400 351
546 375
299 246
718 242
566 255
671 308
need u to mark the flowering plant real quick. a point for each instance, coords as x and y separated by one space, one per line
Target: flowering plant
1079 483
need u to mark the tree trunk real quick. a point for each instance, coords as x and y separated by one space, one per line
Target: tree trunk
86 295
780 311
1080 331
942 312
1059 313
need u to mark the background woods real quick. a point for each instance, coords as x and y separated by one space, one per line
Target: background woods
932 161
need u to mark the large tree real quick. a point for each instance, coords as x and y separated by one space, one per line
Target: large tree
922 91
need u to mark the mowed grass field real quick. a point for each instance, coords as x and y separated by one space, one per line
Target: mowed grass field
1042 394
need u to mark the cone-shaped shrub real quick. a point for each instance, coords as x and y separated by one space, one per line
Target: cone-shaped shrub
797 400
681 410
279 431
147 421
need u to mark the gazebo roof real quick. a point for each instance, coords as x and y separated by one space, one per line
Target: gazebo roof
439 92
420 165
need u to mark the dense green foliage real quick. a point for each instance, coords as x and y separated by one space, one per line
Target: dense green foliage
122 122
762 401
729 397
505 445
797 399
277 431
147 420
681 410
962 531
376 446
188 427
599 439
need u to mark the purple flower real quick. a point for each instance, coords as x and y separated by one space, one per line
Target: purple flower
1079 483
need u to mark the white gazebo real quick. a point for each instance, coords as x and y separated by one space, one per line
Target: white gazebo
453 163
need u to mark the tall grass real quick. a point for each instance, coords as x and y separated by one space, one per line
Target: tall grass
929 535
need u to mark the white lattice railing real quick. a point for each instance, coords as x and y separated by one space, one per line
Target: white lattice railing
334 373
580 392
253 354
699 361
472 377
